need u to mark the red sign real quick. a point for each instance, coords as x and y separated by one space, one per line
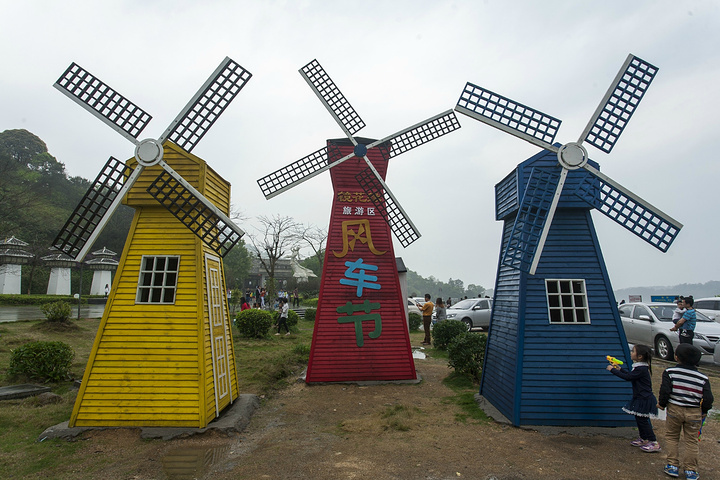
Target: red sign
361 331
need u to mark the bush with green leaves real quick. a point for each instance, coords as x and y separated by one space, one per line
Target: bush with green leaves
56 311
466 353
254 323
310 302
43 361
310 314
445 331
292 318
415 321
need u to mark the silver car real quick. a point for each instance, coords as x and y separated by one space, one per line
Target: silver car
650 324
475 312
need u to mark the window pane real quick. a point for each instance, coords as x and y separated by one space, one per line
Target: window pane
568 315
552 287
580 314
565 287
567 301
169 295
160 263
579 300
555 316
172 264
156 295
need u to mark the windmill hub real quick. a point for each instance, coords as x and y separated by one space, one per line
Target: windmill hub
148 152
360 150
572 156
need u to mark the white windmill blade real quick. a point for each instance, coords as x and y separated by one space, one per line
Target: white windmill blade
333 99
298 172
509 116
210 101
387 205
619 103
629 210
98 98
195 211
420 133
95 209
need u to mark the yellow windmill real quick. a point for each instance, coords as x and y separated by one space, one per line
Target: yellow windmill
163 354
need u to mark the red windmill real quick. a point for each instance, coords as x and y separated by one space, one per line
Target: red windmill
360 327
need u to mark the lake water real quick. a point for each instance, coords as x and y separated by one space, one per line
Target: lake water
13 314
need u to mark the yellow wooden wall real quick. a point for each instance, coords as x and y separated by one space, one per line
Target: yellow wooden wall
151 365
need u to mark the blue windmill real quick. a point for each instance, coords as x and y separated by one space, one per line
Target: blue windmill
554 315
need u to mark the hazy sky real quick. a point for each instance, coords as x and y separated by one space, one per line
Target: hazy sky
398 63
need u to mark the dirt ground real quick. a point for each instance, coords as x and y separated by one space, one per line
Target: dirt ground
381 432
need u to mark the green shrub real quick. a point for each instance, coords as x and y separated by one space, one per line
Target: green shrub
415 321
444 331
466 353
310 314
254 323
44 361
56 311
292 318
310 302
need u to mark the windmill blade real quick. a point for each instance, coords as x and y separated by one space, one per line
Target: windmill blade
533 220
195 211
632 212
98 98
95 208
420 133
193 122
333 99
619 103
385 203
509 116
298 172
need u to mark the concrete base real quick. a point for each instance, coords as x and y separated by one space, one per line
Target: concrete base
10 276
59 283
494 413
21 391
231 421
100 279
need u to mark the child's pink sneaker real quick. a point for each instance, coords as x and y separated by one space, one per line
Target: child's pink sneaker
638 442
651 447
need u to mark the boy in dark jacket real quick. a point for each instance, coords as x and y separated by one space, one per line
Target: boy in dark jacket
686 394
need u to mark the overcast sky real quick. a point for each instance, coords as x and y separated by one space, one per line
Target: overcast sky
398 63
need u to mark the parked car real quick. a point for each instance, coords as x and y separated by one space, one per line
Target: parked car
650 324
709 306
475 312
412 307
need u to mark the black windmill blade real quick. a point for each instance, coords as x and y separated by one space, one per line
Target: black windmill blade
350 122
598 190
123 116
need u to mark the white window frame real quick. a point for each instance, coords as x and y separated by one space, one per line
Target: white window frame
569 305
163 287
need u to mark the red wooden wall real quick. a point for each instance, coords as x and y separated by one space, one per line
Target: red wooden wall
367 338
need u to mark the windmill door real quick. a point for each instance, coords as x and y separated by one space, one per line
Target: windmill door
219 335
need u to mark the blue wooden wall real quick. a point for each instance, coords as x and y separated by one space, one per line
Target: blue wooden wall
536 373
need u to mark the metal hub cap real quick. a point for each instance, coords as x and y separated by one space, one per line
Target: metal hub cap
360 150
148 152
572 156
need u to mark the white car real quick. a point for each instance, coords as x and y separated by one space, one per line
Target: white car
474 312
412 307
650 323
709 306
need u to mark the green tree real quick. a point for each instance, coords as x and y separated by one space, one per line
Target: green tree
237 265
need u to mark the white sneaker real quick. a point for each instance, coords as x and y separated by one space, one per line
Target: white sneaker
288 333
277 333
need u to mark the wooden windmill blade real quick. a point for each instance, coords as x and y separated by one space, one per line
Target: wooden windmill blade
627 209
96 206
206 106
375 187
602 131
116 111
101 100
333 99
619 103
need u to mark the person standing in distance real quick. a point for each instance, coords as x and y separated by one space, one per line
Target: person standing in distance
427 310
686 325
